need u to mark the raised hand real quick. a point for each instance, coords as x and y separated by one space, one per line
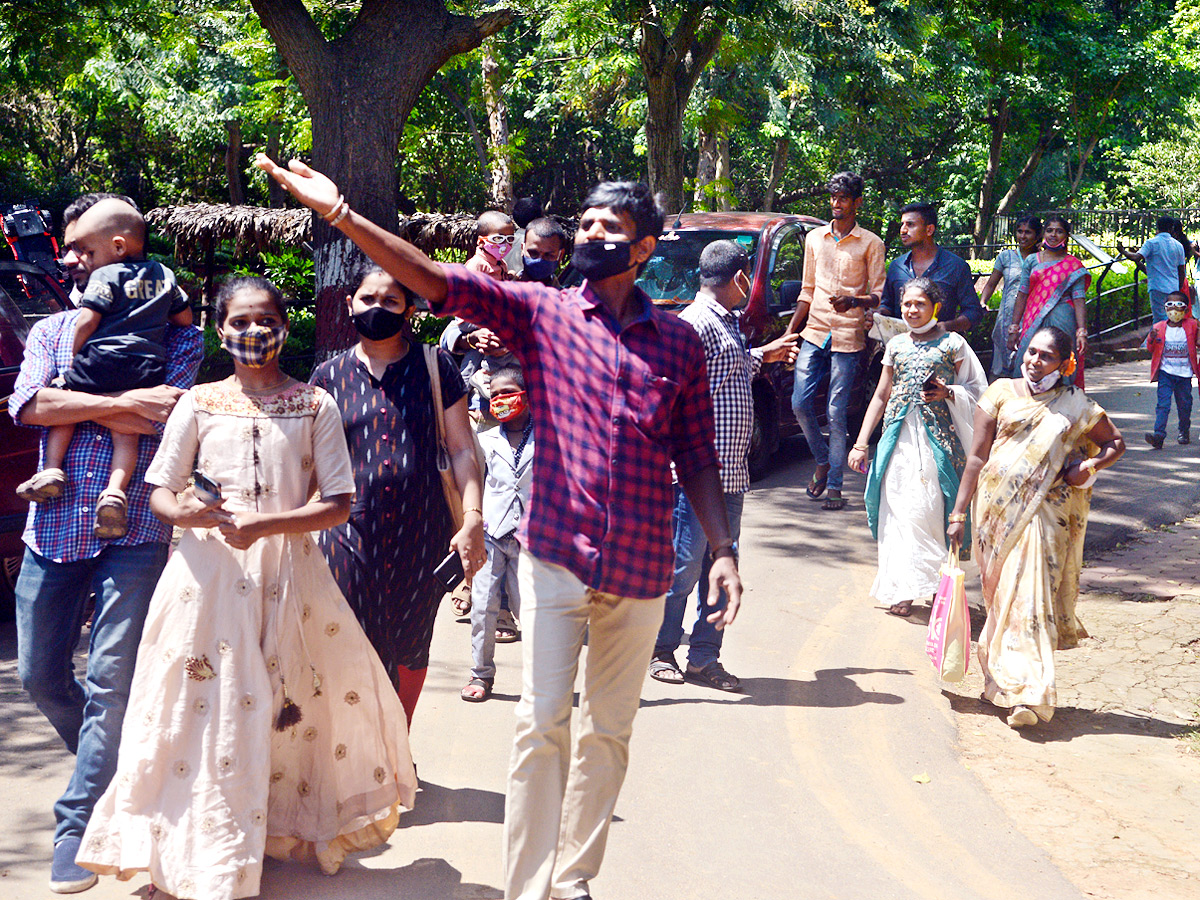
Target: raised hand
306 184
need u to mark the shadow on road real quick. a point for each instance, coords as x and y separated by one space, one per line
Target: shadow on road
1070 722
442 804
830 688
422 879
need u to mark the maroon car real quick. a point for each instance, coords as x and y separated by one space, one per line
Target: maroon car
27 294
775 243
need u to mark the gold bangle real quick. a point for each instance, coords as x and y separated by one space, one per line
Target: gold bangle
957 518
472 509
861 447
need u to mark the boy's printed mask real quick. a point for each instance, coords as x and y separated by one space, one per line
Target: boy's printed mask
1176 311
508 406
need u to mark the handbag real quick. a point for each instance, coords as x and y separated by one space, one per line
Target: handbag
948 641
445 468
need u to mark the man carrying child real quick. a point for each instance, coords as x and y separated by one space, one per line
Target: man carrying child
65 560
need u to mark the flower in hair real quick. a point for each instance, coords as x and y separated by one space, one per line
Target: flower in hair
1068 366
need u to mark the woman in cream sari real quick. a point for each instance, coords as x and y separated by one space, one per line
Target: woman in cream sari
1037 446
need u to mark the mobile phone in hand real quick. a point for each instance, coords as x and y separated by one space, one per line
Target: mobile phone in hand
450 570
205 488
931 384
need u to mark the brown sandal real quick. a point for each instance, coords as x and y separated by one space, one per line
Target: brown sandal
477 690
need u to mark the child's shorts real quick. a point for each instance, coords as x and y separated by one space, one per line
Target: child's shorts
102 370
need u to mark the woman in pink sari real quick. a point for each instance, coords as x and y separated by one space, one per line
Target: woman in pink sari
1052 294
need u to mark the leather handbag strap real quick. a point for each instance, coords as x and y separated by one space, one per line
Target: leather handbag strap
435 385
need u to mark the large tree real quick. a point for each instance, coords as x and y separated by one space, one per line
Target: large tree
360 85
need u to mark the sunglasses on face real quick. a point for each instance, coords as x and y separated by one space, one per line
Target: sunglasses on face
500 238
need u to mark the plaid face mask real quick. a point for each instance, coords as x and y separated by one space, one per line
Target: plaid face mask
256 346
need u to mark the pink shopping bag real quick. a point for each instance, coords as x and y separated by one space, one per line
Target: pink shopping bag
948 642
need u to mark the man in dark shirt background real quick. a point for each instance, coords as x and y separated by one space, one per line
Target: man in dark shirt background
961 310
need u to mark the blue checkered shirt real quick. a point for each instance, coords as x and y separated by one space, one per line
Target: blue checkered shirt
61 530
731 369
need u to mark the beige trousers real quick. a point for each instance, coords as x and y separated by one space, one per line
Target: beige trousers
561 792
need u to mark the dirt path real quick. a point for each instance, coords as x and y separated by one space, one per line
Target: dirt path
1110 788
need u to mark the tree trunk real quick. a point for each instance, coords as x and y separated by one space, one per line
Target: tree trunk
1085 154
706 170
233 163
985 216
1009 200
463 110
671 64
276 193
360 89
778 167
724 173
501 149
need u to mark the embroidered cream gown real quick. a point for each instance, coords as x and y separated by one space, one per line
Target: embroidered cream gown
205 784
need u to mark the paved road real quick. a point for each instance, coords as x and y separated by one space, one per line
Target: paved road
802 788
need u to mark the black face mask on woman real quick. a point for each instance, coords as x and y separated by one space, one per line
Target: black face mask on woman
377 323
597 260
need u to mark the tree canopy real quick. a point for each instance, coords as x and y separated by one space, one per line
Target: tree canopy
984 107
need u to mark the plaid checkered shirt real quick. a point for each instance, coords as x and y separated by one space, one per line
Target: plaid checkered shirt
612 408
730 372
61 530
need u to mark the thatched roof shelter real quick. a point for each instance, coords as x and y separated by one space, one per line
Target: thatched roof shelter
197 227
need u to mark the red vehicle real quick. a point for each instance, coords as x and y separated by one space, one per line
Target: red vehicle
775 243
27 294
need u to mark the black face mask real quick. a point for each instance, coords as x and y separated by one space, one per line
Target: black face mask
377 323
598 260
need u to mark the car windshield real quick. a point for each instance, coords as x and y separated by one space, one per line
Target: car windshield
672 275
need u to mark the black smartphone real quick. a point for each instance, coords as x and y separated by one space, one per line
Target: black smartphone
206 489
931 383
450 570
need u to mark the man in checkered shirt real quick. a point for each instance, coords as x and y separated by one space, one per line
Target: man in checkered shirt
724 287
618 393
64 561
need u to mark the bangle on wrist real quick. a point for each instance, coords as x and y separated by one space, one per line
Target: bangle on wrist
863 447
339 210
474 509
957 518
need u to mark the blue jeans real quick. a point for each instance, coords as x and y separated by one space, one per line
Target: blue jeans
1181 389
88 716
692 565
813 365
1158 306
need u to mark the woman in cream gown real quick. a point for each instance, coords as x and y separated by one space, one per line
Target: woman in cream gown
260 720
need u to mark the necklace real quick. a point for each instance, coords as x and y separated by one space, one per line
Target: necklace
525 435
267 390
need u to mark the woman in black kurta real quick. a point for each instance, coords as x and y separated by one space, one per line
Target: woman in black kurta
399 529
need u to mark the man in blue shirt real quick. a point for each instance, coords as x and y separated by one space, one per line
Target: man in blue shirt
961 309
1163 259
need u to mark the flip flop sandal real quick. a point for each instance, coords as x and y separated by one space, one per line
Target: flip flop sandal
506 628
816 487
902 609
834 503
666 670
484 692
460 600
714 676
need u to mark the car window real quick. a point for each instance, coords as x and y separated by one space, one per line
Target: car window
787 264
671 276
24 299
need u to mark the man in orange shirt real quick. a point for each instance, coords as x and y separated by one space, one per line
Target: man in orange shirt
843 276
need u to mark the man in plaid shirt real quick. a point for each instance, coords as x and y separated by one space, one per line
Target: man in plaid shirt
618 392
724 287
64 563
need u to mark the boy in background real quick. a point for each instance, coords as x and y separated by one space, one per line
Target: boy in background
1173 362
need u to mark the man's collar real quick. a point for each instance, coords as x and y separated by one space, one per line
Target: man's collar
854 232
589 301
708 298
